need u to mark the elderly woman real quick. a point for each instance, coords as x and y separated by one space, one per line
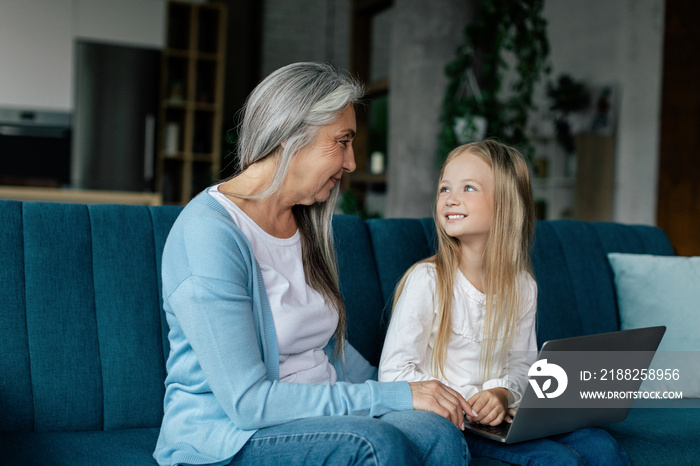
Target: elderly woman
259 370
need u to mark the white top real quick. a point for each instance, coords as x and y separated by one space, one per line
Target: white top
303 321
413 328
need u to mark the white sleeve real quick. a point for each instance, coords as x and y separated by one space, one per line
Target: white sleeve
406 354
524 351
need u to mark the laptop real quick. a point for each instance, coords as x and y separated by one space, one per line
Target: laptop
594 363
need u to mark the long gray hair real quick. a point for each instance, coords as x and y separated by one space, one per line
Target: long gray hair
281 116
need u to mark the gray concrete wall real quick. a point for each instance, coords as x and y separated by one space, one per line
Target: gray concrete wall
424 38
305 30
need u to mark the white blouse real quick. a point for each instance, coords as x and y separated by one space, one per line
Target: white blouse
303 320
413 328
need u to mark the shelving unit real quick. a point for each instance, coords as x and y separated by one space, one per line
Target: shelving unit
553 181
579 186
371 117
192 85
595 177
554 197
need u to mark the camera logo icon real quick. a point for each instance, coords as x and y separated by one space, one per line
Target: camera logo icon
547 371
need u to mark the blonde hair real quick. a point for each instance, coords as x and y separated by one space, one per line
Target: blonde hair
506 257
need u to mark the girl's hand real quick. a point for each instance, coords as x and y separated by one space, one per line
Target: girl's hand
491 406
510 414
436 397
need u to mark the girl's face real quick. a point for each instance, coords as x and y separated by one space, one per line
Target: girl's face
465 199
317 168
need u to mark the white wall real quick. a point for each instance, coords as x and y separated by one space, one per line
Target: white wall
38 36
36 53
133 22
618 42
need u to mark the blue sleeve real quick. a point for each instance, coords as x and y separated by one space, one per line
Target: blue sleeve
218 339
353 367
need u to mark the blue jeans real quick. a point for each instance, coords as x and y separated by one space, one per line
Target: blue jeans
582 447
399 437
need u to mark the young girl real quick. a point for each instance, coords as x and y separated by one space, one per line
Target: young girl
466 316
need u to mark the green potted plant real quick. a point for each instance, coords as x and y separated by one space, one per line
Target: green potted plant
567 96
504 36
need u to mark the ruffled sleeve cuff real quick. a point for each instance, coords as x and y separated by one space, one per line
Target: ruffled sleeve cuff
514 395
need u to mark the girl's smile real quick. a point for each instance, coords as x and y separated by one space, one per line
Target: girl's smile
465 198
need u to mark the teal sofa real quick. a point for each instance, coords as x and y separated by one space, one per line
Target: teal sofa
83 339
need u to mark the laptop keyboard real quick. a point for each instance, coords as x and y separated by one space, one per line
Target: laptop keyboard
501 429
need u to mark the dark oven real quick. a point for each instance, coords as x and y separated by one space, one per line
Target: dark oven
35 147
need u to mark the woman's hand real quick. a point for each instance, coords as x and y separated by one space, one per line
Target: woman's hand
436 397
490 406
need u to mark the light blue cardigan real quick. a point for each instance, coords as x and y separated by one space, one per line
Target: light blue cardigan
223 368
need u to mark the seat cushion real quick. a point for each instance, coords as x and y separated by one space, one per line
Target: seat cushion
653 436
119 447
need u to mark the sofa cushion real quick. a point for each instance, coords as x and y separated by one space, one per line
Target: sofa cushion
359 285
397 244
61 326
127 315
81 317
662 290
16 413
654 436
133 447
163 218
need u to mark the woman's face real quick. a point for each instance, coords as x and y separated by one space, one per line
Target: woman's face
318 167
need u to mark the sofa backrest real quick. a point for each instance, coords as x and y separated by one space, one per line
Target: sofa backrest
575 281
83 339
360 286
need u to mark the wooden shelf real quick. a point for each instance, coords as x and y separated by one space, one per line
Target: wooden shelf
377 87
192 85
77 196
201 157
173 53
373 115
366 178
554 182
